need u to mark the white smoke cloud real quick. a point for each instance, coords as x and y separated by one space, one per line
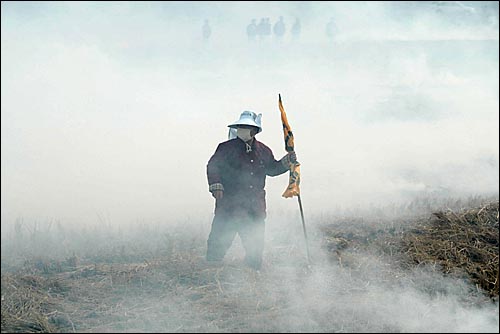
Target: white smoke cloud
113 110
117 107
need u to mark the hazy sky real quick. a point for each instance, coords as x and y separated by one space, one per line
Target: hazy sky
116 107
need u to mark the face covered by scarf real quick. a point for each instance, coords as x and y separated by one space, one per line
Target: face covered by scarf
244 134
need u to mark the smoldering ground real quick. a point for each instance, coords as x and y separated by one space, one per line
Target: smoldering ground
153 278
111 111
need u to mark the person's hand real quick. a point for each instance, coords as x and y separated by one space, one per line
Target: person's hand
217 194
292 157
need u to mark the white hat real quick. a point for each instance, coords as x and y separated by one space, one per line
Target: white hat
249 118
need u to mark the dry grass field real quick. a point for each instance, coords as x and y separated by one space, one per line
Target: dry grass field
365 273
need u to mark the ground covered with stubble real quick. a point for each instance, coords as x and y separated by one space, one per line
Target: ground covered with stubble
422 273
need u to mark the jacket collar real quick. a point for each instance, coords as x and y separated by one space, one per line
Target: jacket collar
243 144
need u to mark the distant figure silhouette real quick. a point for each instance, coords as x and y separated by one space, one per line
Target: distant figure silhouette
331 29
206 30
267 25
252 31
261 28
296 29
279 29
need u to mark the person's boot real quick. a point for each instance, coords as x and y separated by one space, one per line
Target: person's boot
253 263
214 261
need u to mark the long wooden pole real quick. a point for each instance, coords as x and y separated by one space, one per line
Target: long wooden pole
304 228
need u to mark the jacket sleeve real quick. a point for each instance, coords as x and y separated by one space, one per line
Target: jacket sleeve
214 170
277 167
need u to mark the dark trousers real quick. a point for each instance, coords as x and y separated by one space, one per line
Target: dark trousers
225 228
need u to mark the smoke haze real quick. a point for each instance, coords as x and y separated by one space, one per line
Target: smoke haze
110 112
117 107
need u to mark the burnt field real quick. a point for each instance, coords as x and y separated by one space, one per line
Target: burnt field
435 271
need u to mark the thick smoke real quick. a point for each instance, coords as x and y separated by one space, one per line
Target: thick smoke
113 110
109 108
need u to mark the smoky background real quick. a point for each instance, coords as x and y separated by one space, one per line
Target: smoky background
110 112
110 107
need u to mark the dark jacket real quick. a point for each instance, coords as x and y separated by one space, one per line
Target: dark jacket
242 176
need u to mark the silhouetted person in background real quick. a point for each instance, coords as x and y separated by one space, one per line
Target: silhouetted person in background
331 29
279 29
252 30
267 27
296 29
261 28
206 31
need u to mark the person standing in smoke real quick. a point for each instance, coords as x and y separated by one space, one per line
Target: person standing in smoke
331 29
267 27
296 29
236 175
252 30
206 31
279 29
261 28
